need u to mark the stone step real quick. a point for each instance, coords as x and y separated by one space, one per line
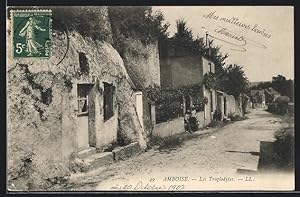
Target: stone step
86 152
97 160
90 159
125 152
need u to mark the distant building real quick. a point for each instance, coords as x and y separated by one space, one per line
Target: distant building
256 83
271 94
180 67
258 98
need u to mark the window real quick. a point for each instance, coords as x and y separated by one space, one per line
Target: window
108 101
210 69
83 63
82 98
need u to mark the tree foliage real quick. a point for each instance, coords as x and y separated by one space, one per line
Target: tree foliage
183 32
183 39
283 86
89 21
169 102
209 80
263 85
139 22
234 80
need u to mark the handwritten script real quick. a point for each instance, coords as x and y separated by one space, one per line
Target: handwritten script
237 41
172 183
237 22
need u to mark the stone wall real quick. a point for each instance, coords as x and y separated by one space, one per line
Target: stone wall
176 126
178 71
230 104
200 117
142 61
169 128
220 103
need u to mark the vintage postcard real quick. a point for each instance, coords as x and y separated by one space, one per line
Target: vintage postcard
150 98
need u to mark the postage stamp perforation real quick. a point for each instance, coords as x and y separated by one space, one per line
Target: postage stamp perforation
30 10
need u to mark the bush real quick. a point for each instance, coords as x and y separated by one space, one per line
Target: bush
168 111
284 147
282 108
169 101
272 107
278 108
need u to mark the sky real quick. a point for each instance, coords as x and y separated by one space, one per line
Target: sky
264 35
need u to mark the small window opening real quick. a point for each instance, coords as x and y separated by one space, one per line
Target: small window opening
108 101
83 63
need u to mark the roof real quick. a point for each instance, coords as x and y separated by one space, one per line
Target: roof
272 91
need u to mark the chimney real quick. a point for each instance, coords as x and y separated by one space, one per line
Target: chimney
207 43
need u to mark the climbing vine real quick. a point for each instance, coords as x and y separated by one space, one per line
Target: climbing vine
169 101
157 95
209 80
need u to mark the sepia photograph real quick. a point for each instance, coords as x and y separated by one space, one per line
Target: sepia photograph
150 98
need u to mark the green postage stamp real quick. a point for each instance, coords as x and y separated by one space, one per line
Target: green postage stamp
31 33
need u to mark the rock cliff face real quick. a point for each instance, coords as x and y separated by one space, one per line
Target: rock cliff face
41 98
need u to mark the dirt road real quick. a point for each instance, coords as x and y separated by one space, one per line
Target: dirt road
216 155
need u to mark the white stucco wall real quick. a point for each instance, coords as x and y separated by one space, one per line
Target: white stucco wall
169 128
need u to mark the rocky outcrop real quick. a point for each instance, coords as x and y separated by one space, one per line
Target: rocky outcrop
40 99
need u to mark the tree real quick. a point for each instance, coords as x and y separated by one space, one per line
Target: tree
138 22
234 80
89 21
219 60
262 85
183 40
184 34
283 86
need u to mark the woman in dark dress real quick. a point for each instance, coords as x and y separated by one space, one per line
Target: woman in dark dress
193 120
187 125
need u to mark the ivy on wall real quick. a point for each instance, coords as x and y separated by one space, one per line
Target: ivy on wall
169 101
209 80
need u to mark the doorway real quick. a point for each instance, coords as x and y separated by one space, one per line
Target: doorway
84 103
225 104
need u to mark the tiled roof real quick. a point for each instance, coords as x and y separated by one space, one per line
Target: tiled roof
272 91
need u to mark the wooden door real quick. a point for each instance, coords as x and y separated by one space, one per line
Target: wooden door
83 91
